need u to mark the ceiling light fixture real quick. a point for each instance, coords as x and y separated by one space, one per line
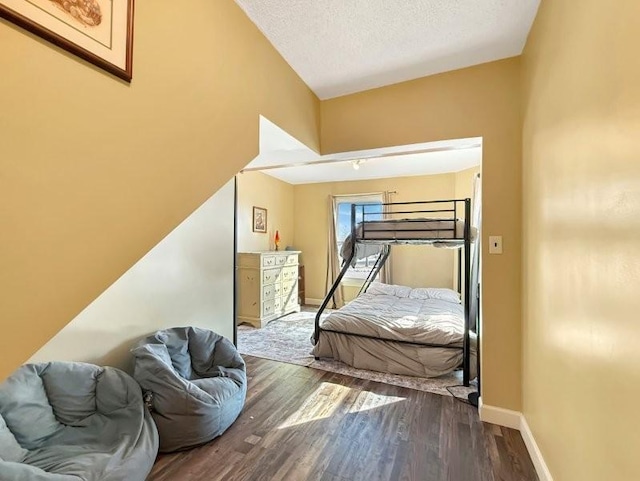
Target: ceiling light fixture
356 163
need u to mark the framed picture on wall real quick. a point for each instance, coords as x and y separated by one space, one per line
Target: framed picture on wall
259 220
98 31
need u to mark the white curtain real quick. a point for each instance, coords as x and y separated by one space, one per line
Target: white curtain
385 273
476 248
333 256
477 202
476 217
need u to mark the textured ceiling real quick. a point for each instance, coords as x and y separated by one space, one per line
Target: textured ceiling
340 47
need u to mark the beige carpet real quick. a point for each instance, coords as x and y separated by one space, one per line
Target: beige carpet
288 339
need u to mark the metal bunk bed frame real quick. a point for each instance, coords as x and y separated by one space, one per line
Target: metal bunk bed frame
470 265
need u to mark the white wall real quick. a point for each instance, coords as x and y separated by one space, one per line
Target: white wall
187 279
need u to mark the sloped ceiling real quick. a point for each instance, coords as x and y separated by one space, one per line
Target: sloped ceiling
340 47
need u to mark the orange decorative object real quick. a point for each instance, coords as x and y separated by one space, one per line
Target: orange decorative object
277 240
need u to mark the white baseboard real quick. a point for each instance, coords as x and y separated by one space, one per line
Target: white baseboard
499 416
534 451
516 420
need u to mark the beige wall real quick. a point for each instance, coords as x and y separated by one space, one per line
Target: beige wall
463 183
261 190
94 171
413 266
581 271
482 101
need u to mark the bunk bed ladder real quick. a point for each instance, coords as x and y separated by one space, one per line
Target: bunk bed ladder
380 261
345 267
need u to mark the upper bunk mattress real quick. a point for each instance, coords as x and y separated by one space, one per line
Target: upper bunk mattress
411 229
444 233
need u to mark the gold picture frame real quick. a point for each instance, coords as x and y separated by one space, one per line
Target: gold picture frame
98 31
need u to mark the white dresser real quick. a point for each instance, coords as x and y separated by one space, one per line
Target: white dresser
267 286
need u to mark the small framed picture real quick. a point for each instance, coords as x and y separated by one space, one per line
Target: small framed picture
259 220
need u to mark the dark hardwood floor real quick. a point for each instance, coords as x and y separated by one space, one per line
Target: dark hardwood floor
303 424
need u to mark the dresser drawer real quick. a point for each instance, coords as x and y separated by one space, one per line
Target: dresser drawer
269 261
289 288
292 259
271 291
271 276
281 260
269 307
291 303
277 304
289 273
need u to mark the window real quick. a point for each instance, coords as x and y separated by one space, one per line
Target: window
373 210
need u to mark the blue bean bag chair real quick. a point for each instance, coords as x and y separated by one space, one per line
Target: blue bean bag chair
64 421
197 382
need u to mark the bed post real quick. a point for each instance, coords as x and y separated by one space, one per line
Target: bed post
475 317
466 347
459 271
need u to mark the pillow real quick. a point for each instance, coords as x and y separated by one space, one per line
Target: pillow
379 289
25 407
71 389
10 450
440 293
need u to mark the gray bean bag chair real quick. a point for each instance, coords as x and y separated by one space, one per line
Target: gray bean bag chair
63 421
198 384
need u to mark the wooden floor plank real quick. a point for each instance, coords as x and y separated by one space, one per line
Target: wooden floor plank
302 424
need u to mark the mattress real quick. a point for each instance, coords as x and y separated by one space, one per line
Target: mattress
438 232
411 229
398 316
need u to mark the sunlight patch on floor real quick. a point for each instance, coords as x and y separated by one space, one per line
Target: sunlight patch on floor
321 404
368 400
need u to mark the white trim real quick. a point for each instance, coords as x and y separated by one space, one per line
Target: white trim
358 156
534 451
499 416
516 420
